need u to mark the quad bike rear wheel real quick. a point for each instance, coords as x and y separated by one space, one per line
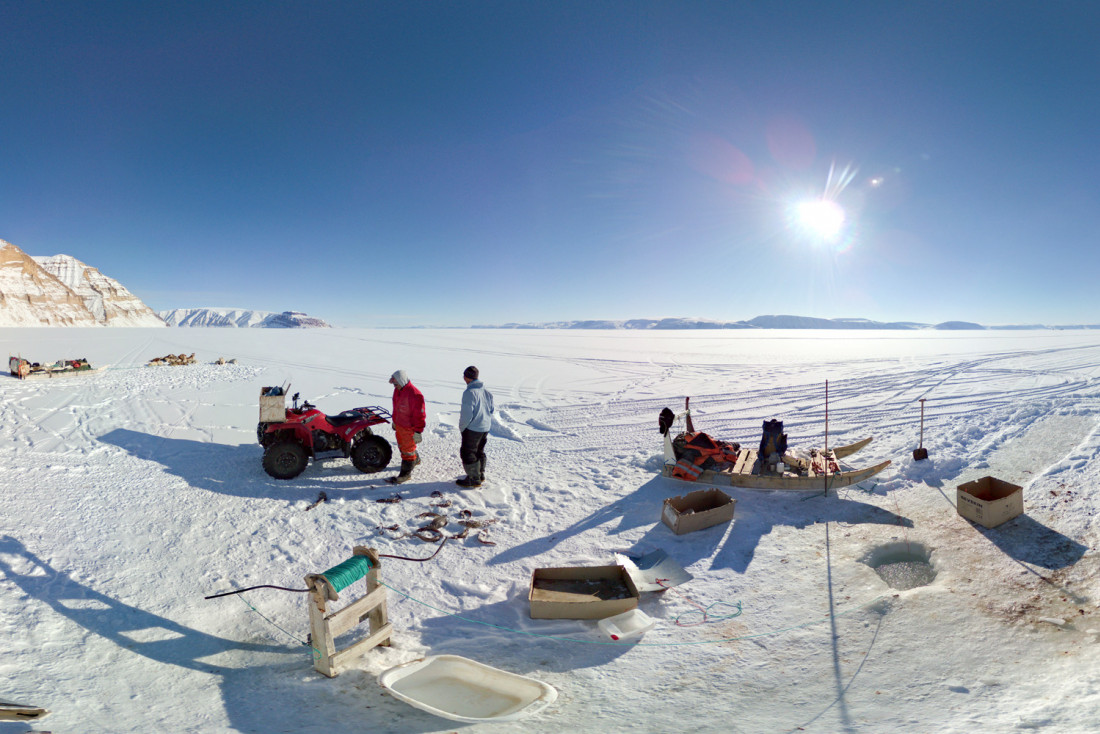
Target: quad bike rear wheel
371 454
285 459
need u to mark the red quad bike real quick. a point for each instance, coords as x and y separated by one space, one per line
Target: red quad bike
307 431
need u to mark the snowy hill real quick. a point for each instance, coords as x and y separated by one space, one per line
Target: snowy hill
62 291
239 318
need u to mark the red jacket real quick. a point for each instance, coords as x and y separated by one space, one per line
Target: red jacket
408 408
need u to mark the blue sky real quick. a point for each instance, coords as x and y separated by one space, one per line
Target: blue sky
447 163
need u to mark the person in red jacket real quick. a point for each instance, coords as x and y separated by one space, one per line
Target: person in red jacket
408 423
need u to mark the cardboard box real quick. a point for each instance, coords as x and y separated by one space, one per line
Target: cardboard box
989 501
581 592
272 407
697 510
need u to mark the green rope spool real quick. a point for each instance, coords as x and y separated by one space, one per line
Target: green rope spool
343 575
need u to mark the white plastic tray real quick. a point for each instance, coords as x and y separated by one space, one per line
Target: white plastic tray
461 689
628 624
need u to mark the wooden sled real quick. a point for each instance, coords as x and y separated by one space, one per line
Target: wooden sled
20 712
819 473
737 476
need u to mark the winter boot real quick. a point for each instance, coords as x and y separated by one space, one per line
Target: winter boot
473 476
404 475
481 470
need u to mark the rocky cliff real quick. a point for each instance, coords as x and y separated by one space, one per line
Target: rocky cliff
62 291
109 301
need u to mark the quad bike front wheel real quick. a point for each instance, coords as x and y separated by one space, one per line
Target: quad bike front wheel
371 454
285 459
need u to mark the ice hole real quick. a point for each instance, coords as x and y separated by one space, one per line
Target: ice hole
902 565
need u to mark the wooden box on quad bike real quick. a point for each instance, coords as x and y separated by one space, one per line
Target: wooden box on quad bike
272 407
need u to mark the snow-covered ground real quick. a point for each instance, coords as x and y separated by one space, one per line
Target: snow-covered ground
131 494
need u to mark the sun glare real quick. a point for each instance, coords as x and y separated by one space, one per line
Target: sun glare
822 218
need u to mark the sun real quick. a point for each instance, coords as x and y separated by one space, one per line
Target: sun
821 218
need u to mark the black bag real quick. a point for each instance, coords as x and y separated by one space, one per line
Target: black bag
774 441
665 421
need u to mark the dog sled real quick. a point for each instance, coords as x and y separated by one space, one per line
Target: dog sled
25 369
173 360
694 456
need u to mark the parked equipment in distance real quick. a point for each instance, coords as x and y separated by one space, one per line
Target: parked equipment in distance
24 369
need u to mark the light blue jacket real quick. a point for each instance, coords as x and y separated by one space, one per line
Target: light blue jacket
477 408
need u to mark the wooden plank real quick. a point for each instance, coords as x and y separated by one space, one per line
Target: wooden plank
742 456
363 646
380 615
324 647
340 622
750 463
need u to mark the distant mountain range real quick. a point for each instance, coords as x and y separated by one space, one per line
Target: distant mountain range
769 322
240 319
62 291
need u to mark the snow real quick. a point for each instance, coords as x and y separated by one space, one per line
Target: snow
132 493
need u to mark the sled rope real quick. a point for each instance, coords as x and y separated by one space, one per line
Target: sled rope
700 609
343 571
266 619
639 644
559 638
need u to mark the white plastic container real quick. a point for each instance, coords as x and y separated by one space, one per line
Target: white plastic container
461 689
628 624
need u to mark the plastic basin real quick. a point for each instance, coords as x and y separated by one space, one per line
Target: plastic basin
626 625
461 689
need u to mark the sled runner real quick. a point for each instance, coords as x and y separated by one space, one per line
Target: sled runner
696 457
20 712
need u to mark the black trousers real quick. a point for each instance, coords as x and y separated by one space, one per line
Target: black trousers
473 447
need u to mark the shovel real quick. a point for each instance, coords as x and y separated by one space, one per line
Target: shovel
921 452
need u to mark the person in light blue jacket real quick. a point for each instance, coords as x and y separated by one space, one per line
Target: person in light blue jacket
474 422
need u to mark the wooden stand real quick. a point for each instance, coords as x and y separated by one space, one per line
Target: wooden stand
325 627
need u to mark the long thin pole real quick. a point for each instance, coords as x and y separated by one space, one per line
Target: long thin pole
921 423
826 457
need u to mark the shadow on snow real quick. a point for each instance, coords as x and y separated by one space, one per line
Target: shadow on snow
249 687
236 470
757 512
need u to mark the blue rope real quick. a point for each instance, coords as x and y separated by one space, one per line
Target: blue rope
707 616
640 644
559 638
316 652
